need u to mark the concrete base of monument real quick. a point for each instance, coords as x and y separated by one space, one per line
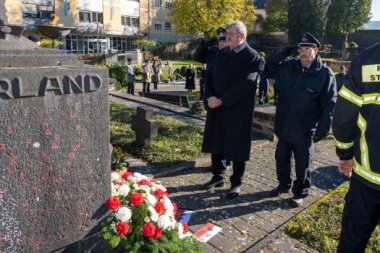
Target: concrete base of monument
92 244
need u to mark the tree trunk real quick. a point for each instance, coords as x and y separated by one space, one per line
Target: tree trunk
344 43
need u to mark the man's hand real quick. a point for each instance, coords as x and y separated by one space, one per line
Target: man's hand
345 166
288 50
213 102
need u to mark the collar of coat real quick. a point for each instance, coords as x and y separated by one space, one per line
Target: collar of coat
239 48
314 68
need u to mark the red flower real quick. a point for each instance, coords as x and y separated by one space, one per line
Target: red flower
159 193
126 175
158 234
122 228
113 203
185 228
136 199
159 207
143 182
149 229
175 208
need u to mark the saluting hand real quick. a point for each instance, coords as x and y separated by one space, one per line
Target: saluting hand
345 166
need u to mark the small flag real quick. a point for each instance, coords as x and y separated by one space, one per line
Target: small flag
207 232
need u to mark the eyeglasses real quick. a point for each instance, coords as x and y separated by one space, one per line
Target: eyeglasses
305 49
231 34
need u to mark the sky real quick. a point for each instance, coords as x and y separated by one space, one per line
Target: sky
375 10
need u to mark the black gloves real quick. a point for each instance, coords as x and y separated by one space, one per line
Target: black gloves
288 50
317 138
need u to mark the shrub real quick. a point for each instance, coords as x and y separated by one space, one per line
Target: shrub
118 71
183 70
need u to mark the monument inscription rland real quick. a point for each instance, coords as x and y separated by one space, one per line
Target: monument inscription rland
54 149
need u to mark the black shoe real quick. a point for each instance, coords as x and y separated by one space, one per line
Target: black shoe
233 193
213 183
278 191
296 202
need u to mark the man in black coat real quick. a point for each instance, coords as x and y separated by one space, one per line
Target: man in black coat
230 93
305 104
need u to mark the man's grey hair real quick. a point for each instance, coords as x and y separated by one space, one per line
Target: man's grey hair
240 26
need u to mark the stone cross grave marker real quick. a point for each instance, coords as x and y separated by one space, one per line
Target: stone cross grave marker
54 148
144 127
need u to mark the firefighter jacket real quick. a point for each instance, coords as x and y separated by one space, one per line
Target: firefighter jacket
306 98
356 121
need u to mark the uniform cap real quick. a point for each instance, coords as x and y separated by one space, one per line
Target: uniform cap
146 60
129 59
308 40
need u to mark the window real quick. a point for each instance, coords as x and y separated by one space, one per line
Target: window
157 26
169 4
36 11
91 17
129 21
158 3
135 22
168 26
125 20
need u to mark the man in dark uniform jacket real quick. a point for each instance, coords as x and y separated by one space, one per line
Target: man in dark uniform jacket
230 92
305 104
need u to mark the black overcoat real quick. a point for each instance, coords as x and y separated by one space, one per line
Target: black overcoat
232 78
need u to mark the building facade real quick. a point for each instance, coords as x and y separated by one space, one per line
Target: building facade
96 26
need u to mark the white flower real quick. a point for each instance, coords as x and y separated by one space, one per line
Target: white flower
151 199
136 186
168 205
124 190
114 176
114 191
164 221
153 214
124 214
180 228
146 219
161 187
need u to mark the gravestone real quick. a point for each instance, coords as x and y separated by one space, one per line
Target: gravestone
54 148
144 127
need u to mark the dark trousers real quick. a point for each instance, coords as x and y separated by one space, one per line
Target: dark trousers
155 85
263 94
131 88
146 87
219 171
303 157
361 214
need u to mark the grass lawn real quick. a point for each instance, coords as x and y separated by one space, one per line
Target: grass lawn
319 226
176 142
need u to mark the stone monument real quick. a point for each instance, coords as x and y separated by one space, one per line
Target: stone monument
54 148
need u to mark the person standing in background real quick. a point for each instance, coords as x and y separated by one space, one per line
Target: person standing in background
147 73
340 77
190 78
130 77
